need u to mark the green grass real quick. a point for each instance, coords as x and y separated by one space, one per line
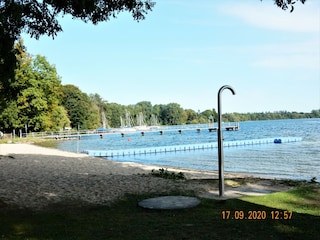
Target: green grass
31 140
125 220
301 200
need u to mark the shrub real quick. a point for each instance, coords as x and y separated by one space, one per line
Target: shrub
164 173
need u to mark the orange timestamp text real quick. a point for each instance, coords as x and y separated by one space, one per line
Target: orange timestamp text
256 215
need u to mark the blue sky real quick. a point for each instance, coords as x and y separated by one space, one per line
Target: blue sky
184 51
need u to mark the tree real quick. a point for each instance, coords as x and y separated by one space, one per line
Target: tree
211 115
172 114
40 18
83 113
34 96
145 108
114 112
191 117
286 4
101 105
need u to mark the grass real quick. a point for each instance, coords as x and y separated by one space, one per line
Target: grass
125 220
31 140
301 200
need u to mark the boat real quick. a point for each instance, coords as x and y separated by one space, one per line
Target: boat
154 124
127 123
103 128
141 125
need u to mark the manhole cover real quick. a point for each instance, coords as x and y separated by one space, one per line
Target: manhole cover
170 202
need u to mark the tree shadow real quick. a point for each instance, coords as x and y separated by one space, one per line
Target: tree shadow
123 219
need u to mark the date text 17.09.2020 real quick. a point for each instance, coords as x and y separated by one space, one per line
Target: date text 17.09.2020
256 215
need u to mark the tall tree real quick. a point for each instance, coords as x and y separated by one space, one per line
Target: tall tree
114 112
101 105
83 113
172 114
35 95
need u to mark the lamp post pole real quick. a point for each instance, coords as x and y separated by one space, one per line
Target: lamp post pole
220 140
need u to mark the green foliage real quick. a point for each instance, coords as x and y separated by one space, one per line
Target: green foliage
172 114
38 18
60 119
82 112
234 117
33 97
145 108
164 173
113 113
101 106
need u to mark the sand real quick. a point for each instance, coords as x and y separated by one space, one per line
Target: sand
35 177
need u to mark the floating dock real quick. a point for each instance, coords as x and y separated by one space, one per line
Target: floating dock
188 147
67 135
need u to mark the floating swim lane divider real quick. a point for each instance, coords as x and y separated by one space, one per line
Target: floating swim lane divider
188 147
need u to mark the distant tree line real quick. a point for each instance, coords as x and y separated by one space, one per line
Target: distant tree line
35 100
234 117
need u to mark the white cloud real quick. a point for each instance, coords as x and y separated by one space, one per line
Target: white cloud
305 18
297 55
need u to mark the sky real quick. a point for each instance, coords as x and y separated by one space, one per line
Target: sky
185 51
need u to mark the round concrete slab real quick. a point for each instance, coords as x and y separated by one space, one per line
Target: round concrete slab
169 202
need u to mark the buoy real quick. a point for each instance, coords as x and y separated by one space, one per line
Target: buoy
277 140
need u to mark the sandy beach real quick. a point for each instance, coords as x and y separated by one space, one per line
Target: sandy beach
35 177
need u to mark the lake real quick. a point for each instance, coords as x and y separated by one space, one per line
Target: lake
297 160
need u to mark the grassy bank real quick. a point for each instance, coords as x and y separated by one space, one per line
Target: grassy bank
125 220
51 143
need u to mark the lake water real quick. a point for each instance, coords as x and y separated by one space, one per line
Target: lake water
296 160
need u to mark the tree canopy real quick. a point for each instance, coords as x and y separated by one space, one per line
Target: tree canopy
34 95
40 18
